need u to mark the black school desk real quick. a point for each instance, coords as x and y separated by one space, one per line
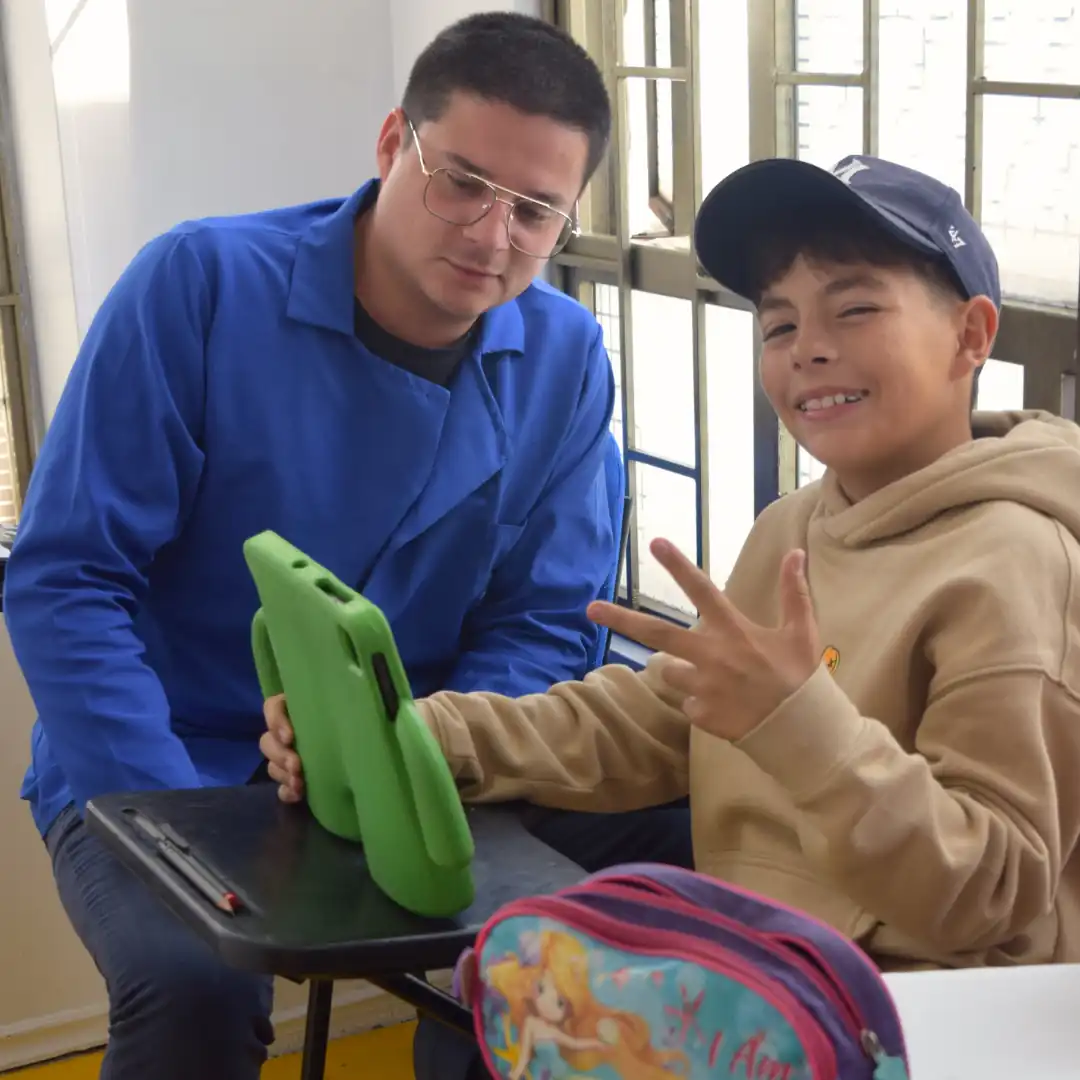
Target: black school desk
311 912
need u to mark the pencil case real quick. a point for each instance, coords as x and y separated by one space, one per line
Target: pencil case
647 972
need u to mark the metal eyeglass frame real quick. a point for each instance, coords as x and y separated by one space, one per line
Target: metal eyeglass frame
518 198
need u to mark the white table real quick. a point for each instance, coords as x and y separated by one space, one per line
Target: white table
992 1023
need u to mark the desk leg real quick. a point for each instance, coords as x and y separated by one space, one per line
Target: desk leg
317 1029
426 999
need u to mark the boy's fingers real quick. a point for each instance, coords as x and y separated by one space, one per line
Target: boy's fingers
288 795
466 978
796 604
276 714
270 747
285 767
290 787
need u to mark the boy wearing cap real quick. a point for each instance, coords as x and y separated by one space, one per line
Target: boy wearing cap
878 719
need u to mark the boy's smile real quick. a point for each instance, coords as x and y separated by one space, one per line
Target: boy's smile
869 368
829 402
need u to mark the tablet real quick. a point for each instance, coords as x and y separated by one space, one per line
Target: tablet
373 771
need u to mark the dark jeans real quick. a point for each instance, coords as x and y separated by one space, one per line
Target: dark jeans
660 834
176 1012
594 842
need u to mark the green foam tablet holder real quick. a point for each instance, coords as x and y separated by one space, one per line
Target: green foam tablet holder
373 772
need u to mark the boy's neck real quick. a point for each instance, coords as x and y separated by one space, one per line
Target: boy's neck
860 484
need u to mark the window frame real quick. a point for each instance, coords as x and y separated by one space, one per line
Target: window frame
1042 338
17 344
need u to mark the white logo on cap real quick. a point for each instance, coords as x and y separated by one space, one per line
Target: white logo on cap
957 240
845 172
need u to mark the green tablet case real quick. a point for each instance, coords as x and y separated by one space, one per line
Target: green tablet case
373 771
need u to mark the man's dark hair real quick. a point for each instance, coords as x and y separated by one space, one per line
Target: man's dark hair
847 238
523 62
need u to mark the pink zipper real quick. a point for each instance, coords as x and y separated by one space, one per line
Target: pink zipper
834 988
835 991
641 881
670 943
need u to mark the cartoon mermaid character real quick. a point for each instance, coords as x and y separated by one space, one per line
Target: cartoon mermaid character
551 1004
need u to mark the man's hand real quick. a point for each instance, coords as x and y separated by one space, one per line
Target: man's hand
276 745
734 672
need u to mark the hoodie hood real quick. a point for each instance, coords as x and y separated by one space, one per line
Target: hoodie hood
1031 458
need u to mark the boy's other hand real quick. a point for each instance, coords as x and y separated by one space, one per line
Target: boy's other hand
276 746
733 671
466 978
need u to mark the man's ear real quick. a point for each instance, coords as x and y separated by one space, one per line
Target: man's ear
392 138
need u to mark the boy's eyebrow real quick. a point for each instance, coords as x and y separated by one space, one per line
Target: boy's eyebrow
468 166
861 280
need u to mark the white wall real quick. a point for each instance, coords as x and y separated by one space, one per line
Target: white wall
165 111
158 111
147 113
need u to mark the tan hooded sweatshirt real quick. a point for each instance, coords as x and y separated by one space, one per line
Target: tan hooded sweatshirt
923 796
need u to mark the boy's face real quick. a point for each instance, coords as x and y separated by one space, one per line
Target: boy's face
870 368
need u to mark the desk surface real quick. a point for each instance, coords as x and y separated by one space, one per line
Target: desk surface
991 1023
312 909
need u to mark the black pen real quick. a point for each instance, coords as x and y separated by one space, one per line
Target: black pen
191 871
177 853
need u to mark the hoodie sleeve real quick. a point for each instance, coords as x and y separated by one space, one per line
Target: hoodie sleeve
959 841
615 742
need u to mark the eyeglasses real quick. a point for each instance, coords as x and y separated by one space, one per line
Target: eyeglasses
461 198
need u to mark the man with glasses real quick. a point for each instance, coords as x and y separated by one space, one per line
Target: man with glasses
383 381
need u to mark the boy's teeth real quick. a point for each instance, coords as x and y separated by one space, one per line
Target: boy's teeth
828 401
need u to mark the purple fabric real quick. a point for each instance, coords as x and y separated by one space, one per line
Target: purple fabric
847 965
851 1061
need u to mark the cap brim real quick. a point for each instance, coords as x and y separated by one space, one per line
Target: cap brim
756 200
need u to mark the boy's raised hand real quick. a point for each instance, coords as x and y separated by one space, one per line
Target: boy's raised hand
733 671
276 745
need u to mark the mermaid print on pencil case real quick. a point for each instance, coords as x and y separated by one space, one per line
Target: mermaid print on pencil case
561 1028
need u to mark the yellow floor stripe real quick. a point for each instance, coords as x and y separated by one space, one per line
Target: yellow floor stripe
385 1054
83 1067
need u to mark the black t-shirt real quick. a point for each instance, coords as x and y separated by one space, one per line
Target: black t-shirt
435 365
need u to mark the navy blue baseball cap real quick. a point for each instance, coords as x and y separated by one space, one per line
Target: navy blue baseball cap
918 210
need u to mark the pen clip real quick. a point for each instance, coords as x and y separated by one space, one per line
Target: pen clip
157 831
174 837
143 824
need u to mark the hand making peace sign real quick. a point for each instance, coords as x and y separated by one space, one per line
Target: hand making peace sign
734 671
